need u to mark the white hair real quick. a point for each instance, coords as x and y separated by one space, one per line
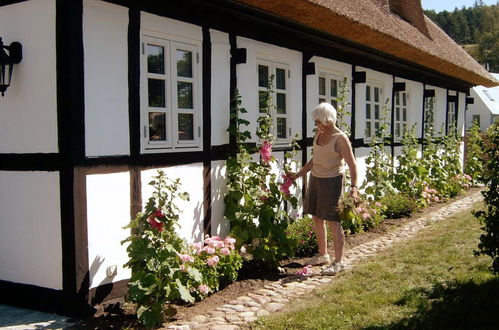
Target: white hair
325 113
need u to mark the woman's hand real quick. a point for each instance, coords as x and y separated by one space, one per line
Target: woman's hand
354 194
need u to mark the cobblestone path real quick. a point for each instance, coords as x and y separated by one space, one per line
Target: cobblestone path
273 297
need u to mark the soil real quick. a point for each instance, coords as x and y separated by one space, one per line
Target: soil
118 315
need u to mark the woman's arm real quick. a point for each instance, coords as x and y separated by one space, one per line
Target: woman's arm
305 169
347 153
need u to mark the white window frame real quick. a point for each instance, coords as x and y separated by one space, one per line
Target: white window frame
328 96
171 109
369 116
273 66
451 115
401 114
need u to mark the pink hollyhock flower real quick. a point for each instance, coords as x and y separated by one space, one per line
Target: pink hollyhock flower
266 151
436 199
365 215
208 249
186 258
156 224
377 204
203 288
216 238
225 251
217 244
158 214
288 182
359 209
213 261
305 271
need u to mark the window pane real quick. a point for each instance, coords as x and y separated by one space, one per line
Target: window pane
281 103
155 59
404 114
263 76
157 126
335 104
262 101
322 86
404 99
376 111
322 100
376 128
397 130
185 126
156 90
334 87
376 94
280 79
368 129
281 128
184 63
184 92
368 111
397 98
368 93
397 114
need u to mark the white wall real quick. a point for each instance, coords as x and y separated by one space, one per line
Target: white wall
327 66
30 235
108 211
191 181
247 81
219 224
220 84
105 33
28 111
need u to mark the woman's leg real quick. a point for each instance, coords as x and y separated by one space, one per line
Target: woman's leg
321 234
338 239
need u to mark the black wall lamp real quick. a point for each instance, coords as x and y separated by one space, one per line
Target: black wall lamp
7 61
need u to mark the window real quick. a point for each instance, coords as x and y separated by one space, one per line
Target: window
486 92
429 103
279 99
401 114
373 110
169 103
451 116
328 89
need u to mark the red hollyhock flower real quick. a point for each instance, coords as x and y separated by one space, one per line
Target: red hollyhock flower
158 214
156 224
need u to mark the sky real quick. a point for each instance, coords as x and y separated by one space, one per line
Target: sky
450 5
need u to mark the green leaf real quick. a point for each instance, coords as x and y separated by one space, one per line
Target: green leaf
150 315
184 293
195 274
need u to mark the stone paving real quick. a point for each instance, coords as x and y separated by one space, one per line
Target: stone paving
263 301
273 297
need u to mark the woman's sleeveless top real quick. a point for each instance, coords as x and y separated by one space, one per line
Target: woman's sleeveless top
327 162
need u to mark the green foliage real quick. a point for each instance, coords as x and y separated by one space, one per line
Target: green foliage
163 269
342 105
255 200
489 241
398 206
379 174
302 231
473 165
360 215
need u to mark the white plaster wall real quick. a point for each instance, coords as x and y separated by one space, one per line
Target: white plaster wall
108 211
324 65
105 33
220 84
478 108
383 80
176 29
461 113
219 224
191 180
415 113
247 81
361 155
28 112
30 235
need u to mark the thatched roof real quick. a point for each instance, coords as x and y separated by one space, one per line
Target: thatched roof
394 27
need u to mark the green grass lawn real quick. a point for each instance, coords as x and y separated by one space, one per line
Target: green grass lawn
432 281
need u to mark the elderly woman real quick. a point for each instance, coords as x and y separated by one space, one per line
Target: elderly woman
331 149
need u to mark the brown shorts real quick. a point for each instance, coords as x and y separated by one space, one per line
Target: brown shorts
322 197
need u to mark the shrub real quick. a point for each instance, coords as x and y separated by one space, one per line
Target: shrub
164 269
360 216
398 206
302 231
489 241
473 165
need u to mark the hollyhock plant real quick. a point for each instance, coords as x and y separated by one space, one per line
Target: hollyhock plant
225 251
213 261
156 224
186 258
266 151
288 182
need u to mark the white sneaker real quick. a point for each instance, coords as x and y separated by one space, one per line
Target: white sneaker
319 260
334 269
